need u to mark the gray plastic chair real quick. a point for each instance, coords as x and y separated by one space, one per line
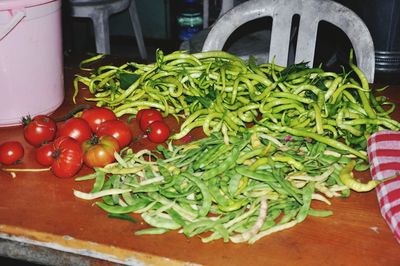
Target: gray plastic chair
311 12
99 12
225 6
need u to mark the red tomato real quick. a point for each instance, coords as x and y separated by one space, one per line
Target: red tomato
44 154
76 128
97 115
147 116
158 132
11 152
68 157
38 130
119 129
99 152
139 114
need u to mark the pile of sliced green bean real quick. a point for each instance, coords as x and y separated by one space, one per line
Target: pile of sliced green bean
236 188
216 91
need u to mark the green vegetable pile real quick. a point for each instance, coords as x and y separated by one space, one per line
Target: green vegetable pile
278 139
219 91
240 188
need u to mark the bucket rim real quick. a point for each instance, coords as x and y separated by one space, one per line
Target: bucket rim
17 4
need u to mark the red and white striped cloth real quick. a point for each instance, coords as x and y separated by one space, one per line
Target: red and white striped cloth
384 159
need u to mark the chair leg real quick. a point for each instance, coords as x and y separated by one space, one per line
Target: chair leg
206 6
101 32
137 29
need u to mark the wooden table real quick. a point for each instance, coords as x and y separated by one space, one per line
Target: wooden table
42 221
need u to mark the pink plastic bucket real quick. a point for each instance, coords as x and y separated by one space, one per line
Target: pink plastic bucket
31 59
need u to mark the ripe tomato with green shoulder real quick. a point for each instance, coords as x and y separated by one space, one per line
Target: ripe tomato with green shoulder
99 151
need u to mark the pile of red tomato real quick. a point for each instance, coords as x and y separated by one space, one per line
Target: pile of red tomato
91 139
152 123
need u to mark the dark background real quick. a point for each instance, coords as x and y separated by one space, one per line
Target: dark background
160 29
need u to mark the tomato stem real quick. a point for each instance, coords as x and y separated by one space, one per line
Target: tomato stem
74 111
26 120
12 171
56 153
94 139
26 170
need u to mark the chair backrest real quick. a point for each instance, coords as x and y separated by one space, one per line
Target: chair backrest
311 12
225 6
111 7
